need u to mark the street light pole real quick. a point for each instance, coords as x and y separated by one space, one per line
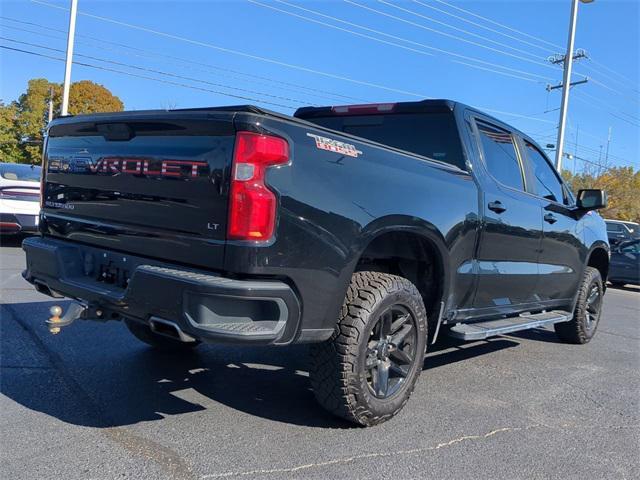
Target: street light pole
69 60
566 81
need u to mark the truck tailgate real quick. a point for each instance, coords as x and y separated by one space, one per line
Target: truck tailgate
142 184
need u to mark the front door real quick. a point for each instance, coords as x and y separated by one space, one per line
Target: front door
560 262
510 240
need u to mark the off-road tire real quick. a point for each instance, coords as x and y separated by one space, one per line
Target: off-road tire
577 330
159 342
337 372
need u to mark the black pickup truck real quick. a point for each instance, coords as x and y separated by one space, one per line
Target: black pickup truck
366 230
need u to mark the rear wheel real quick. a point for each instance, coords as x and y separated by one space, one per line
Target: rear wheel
160 342
367 370
586 316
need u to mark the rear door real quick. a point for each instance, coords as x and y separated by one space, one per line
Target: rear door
562 255
150 185
511 235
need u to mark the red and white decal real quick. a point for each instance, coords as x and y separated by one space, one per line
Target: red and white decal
324 143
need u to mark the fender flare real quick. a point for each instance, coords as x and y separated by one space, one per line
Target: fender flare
405 224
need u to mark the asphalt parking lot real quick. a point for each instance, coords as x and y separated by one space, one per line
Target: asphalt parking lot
94 403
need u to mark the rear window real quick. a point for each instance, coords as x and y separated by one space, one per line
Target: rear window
23 173
432 135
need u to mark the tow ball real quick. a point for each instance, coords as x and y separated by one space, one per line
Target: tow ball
75 311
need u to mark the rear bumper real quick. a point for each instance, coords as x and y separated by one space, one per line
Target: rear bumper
203 305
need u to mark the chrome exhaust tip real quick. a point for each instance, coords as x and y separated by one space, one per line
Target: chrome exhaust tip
169 329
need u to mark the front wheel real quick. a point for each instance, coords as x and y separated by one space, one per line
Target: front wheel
586 315
367 370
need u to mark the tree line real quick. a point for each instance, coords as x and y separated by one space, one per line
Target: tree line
622 185
23 121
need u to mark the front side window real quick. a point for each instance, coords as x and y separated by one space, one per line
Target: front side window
547 183
614 227
500 155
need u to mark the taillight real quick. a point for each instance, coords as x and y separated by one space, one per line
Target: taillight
252 206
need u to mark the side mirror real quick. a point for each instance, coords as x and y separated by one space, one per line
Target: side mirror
591 199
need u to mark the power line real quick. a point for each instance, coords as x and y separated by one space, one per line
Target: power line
622 83
420 95
480 25
455 37
607 105
232 51
589 149
527 35
577 157
498 24
107 69
614 72
196 42
211 68
159 72
595 151
630 122
148 53
537 62
397 45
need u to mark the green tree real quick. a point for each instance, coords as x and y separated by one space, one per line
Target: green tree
25 120
10 150
31 118
88 97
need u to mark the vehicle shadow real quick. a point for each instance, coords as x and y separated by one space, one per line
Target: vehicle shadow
12 241
448 350
625 288
100 376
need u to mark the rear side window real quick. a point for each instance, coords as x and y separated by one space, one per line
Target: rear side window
432 135
500 155
547 183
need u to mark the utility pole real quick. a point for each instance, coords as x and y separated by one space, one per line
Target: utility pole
575 150
599 162
50 104
606 155
566 81
69 60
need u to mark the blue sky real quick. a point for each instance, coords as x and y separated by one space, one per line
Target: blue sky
491 55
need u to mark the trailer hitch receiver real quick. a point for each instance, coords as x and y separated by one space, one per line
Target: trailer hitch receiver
75 311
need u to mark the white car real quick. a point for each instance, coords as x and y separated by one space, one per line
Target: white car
19 198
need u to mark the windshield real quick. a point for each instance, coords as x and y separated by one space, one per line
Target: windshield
20 172
432 135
